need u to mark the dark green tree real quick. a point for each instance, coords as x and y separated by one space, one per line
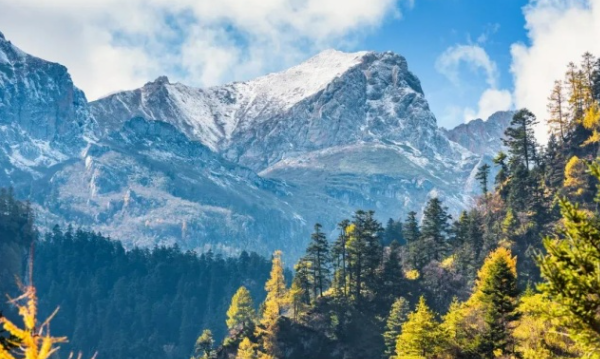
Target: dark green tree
365 253
340 254
520 138
392 276
317 254
393 232
435 229
500 294
410 229
482 175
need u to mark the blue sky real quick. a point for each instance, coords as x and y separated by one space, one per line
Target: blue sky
473 57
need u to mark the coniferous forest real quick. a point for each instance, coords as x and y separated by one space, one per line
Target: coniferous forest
515 276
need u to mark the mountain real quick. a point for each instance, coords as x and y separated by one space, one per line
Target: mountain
244 165
44 118
482 137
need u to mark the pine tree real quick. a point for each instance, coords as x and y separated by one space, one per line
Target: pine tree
435 229
204 345
501 180
596 81
571 271
482 175
340 253
520 138
497 292
393 327
241 311
411 231
303 281
365 253
420 337
393 232
392 276
318 256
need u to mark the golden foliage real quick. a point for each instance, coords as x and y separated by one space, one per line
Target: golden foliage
591 119
412 274
246 350
449 262
575 171
420 336
540 333
34 342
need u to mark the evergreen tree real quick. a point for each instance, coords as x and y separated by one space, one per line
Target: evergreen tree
420 337
393 232
482 175
302 281
241 311
571 271
496 292
318 256
435 229
520 138
340 253
365 253
410 229
396 318
503 174
596 81
393 280
501 299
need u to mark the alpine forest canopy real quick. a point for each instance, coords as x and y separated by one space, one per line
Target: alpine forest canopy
516 276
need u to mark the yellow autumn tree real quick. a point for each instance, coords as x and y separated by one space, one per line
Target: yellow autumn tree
467 326
241 311
575 184
421 336
246 349
274 305
34 339
540 332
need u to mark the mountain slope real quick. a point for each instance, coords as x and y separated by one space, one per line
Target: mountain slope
244 165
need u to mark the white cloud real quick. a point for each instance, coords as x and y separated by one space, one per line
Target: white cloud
491 100
474 56
110 45
559 31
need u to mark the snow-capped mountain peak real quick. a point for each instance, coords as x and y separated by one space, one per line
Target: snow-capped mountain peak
290 86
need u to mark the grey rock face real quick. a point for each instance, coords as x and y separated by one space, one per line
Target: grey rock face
482 137
248 165
44 118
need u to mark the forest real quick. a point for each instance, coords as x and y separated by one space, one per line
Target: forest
515 276
139 303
